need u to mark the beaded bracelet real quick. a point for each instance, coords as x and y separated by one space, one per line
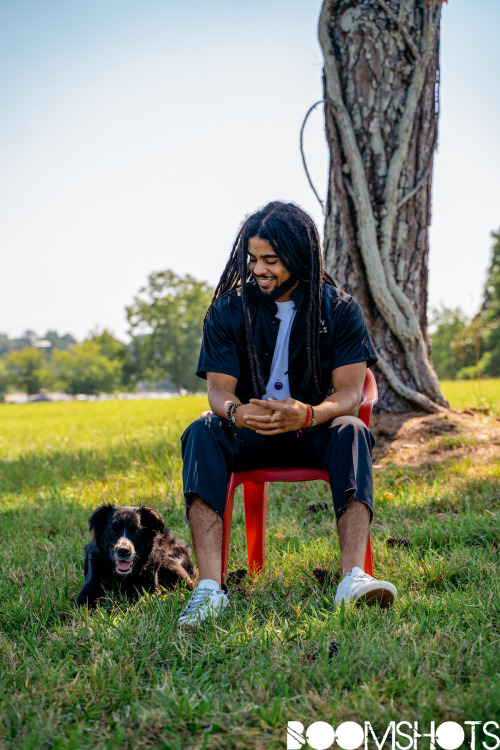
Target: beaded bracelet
231 414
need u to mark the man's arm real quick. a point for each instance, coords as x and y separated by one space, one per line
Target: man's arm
290 414
222 392
348 386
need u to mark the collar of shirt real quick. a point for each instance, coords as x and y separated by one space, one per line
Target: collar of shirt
257 298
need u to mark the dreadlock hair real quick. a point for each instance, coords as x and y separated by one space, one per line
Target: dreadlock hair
294 237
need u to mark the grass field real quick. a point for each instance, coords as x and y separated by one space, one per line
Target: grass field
123 677
483 394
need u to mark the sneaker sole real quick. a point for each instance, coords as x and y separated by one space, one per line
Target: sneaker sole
382 593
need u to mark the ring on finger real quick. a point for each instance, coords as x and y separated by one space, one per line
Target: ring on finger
272 418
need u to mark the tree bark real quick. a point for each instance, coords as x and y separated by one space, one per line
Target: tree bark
381 76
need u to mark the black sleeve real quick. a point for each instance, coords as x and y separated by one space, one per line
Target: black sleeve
219 352
352 342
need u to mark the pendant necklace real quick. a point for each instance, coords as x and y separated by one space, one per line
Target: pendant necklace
279 385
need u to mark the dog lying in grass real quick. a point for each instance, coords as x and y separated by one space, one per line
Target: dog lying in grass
132 550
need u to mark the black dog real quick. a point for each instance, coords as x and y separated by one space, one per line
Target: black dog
132 548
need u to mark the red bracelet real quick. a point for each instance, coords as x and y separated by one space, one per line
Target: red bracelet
308 419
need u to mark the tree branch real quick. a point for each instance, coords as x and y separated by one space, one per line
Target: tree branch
402 29
423 179
396 165
321 101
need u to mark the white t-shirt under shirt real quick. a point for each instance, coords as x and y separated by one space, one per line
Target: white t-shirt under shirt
279 367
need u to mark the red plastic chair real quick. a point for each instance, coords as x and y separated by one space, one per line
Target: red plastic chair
255 483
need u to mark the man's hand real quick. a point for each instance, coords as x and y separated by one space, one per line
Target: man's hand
250 411
280 415
222 392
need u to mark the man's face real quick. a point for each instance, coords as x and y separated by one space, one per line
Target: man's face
267 268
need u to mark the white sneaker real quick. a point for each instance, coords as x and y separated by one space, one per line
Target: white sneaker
202 604
357 586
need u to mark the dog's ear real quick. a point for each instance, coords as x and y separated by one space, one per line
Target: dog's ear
99 519
151 519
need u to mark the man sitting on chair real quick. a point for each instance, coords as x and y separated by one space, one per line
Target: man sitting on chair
285 356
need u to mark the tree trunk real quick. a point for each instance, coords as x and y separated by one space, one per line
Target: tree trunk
381 75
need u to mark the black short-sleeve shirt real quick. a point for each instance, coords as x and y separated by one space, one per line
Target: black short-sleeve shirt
344 339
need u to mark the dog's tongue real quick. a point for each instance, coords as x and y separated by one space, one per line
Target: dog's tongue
123 565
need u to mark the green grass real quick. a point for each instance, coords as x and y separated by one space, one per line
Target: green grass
482 394
123 677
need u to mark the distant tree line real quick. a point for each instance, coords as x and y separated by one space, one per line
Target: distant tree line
165 319
465 347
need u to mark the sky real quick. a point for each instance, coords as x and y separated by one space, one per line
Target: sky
136 135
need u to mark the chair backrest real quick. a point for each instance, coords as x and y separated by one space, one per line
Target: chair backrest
369 398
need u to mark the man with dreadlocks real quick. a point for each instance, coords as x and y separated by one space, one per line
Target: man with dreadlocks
285 356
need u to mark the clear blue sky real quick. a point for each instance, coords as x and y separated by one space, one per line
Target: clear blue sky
135 136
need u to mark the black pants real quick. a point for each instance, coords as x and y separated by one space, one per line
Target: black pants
212 449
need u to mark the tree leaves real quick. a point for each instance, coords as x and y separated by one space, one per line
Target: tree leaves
166 322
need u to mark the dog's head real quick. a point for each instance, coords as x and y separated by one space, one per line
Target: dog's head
125 534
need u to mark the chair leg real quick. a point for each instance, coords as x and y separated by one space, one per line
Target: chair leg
226 534
369 558
255 499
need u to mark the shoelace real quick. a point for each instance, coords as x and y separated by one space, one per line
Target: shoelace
361 577
198 598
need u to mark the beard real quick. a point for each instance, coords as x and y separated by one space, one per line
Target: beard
279 290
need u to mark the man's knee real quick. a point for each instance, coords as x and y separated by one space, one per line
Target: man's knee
351 430
350 423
